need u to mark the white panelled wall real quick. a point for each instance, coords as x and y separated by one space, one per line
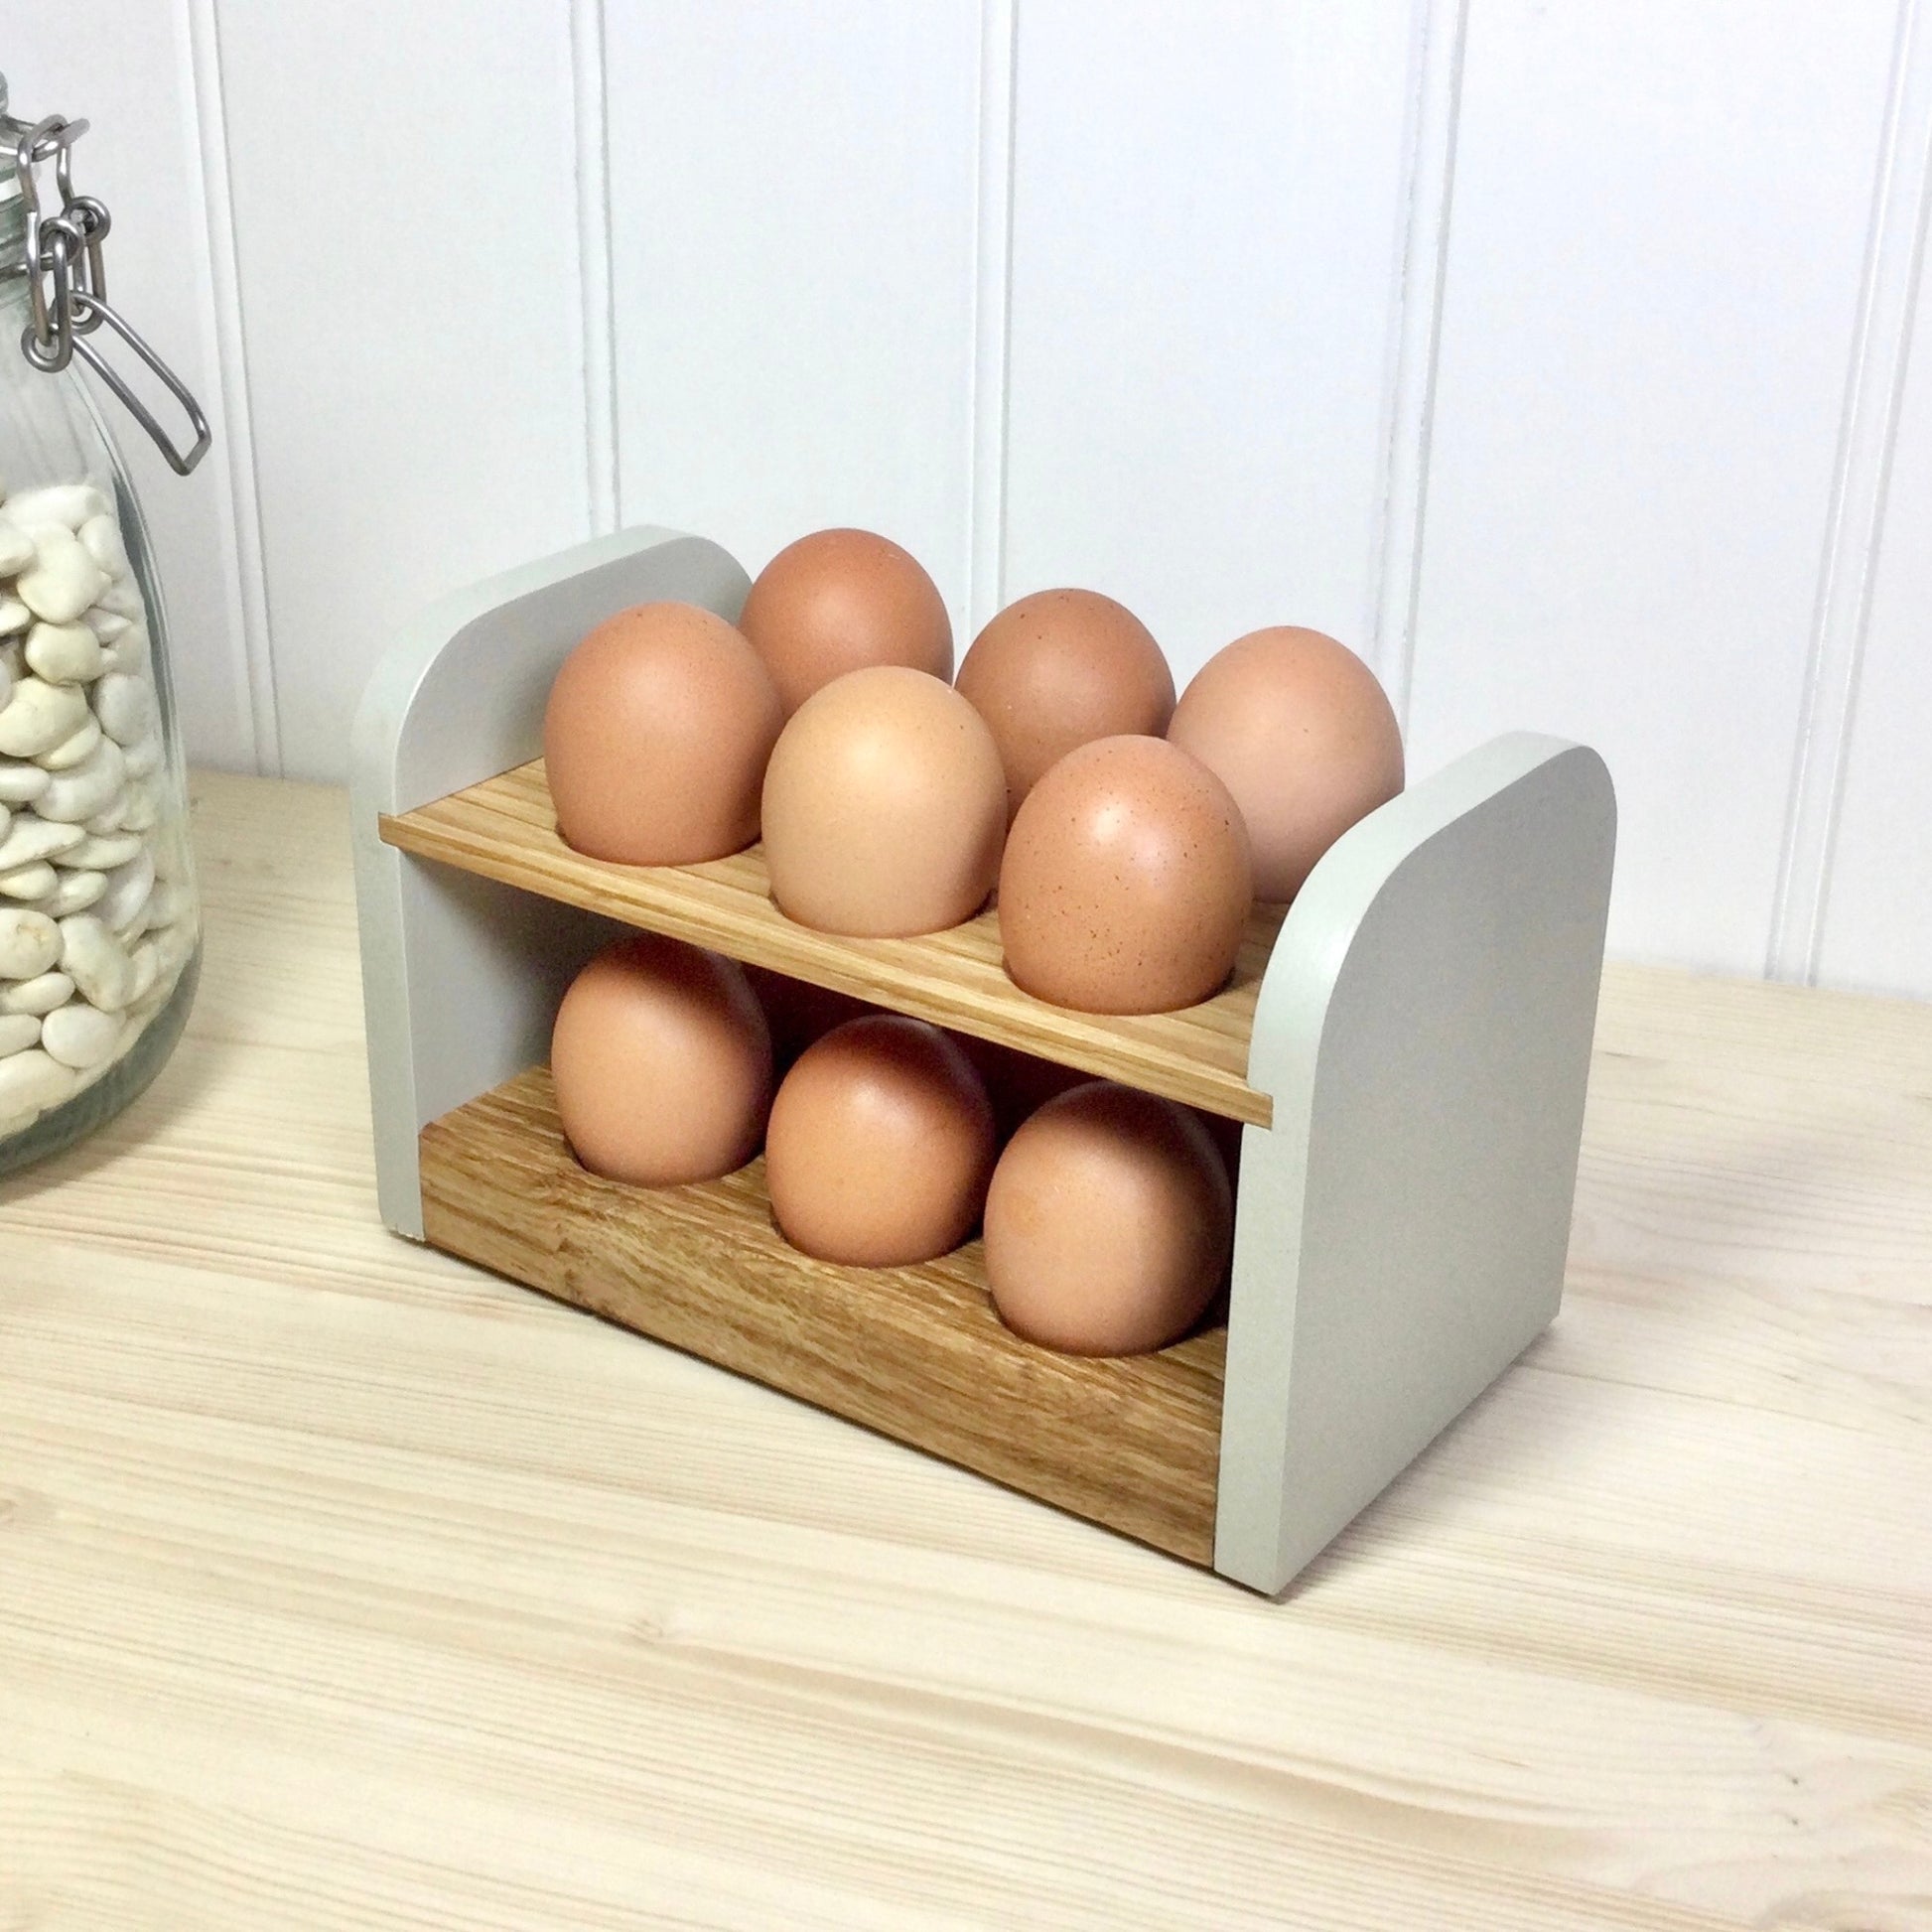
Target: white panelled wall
1558 358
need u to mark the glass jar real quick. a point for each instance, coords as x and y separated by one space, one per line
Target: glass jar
99 921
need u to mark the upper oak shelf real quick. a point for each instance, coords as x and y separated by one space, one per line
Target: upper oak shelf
506 829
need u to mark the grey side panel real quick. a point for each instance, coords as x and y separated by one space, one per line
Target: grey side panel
1424 1028
460 976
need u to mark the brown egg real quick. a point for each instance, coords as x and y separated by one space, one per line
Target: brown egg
1109 1223
662 1063
885 807
1015 1083
880 1144
1297 728
1125 886
839 600
1058 669
655 738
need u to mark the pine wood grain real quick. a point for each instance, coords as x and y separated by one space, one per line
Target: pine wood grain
506 829
917 1353
346 1586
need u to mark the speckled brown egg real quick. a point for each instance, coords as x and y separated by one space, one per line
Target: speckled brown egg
1058 669
885 807
662 1063
1297 728
880 1144
839 600
655 738
1109 1223
1125 886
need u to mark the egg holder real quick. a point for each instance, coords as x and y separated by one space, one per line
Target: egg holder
1407 1053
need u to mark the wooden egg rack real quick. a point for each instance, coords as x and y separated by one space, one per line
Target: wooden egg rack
1407 1053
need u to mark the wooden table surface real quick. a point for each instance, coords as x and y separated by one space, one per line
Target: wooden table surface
343 1585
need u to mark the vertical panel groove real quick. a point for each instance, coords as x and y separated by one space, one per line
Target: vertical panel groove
591 100
992 314
1441 34
1868 430
234 444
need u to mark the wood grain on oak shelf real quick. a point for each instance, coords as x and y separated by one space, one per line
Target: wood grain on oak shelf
506 829
917 1353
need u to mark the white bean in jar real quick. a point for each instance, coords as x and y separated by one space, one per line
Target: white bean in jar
96 928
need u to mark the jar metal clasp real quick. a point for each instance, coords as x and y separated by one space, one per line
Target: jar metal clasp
68 288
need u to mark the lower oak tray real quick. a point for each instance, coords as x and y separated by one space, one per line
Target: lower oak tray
917 1353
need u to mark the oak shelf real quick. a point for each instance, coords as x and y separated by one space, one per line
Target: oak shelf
506 829
917 1353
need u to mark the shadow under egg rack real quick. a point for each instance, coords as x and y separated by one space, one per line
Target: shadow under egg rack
1407 1053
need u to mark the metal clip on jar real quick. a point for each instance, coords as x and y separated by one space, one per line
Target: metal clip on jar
99 925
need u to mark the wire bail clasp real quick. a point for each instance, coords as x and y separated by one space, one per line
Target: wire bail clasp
66 282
